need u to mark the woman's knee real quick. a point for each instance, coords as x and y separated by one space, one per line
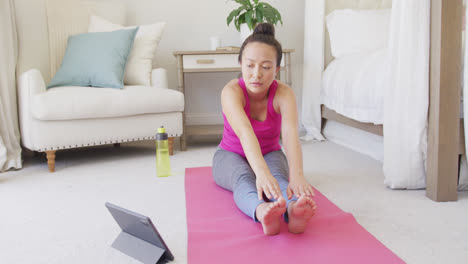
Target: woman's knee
226 168
221 177
245 176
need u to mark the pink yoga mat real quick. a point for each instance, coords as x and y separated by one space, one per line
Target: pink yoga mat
218 232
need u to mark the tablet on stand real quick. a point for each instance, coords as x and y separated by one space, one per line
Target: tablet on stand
139 237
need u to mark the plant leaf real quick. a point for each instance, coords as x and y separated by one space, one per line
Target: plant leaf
239 21
233 14
237 25
248 19
245 3
259 14
271 14
254 23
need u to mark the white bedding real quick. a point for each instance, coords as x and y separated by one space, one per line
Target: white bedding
353 86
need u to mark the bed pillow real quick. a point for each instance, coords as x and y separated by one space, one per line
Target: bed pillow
95 59
140 61
356 31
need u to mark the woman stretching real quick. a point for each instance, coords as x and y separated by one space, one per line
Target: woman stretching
249 160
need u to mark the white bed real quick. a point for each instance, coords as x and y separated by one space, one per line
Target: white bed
353 86
356 37
353 80
355 59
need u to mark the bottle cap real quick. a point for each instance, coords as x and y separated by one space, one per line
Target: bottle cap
161 135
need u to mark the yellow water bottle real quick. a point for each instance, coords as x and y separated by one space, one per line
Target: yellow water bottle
163 165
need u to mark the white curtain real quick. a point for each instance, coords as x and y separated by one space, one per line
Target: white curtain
314 39
10 150
407 95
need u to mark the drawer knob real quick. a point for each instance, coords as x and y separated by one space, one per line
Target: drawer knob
205 61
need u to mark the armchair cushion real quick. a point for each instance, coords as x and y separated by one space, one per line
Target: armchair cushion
140 60
95 59
71 103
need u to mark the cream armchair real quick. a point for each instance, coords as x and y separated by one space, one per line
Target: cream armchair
72 117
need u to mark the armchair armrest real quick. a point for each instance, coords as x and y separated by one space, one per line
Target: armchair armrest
29 83
159 78
32 82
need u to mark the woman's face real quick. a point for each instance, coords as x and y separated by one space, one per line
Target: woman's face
258 65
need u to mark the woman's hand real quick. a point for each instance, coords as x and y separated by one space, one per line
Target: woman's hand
299 186
269 186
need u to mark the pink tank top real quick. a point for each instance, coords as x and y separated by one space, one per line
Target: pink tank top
267 132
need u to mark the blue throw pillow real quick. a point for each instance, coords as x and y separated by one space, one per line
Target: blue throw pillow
95 59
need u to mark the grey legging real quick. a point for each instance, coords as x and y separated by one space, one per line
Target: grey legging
233 172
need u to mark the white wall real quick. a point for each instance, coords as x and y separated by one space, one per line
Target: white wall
190 23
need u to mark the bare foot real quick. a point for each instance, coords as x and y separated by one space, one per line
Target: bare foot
269 214
299 213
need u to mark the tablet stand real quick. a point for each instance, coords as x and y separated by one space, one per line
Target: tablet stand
139 249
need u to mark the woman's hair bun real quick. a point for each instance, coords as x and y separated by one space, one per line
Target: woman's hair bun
265 29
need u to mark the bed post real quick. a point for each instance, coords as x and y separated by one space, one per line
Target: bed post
444 106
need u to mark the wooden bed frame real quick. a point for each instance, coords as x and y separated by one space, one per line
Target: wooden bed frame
328 114
445 133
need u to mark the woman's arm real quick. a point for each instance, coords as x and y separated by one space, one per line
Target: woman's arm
232 101
290 137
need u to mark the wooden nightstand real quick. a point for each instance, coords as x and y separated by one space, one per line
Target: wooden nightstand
211 62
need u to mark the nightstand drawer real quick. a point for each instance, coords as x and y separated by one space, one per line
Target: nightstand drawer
213 61
210 61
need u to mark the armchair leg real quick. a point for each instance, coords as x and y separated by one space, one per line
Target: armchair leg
171 145
51 160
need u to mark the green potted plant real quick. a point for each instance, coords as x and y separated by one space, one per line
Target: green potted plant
250 13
